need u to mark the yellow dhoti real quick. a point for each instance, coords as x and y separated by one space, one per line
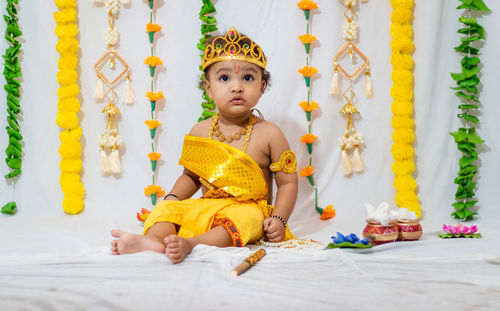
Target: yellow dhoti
236 200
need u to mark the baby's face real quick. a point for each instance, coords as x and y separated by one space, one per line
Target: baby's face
235 86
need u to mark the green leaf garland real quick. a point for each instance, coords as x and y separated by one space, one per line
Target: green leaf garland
12 71
209 25
466 137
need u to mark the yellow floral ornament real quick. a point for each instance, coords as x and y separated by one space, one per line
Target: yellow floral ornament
68 106
402 107
286 164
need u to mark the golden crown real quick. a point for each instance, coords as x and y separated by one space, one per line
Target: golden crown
233 46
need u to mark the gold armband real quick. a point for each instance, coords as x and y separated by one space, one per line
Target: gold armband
287 163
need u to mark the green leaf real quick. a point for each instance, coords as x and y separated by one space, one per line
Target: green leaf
9 208
460 135
208 28
458 205
460 192
470 203
472 137
470 38
464 161
11 151
465 74
468 106
480 5
469 81
470 118
465 48
13 174
13 133
470 61
470 21
13 163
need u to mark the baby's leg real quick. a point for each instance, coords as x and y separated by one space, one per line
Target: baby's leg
177 248
127 243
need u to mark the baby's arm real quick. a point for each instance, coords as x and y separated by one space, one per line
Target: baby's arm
286 194
186 185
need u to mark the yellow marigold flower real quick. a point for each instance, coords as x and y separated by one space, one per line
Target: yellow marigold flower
154 156
309 107
153 61
154 96
307 171
67 62
402 45
308 138
70 135
61 4
401 152
403 167
67 119
152 124
328 212
151 189
73 204
72 165
399 121
405 183
307 38
404 198
308 71
65 16
407 4
152 27
401 61
403 135
307 5
402 107
402 16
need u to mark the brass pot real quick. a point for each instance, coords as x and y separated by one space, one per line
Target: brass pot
409 230
379 234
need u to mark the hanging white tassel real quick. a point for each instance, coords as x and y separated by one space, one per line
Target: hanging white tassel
114 162
99 90
129 93
346 163
368 86
357 161
104 162
334 85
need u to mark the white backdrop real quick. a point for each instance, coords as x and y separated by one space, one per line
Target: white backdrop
275 25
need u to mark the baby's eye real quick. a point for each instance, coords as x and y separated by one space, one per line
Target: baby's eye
248 78
224 78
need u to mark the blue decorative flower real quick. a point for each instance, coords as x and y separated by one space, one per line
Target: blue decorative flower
351 238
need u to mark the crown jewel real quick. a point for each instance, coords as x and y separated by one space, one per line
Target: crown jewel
233 46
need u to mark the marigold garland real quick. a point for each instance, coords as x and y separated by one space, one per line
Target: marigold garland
153 190
68 107
209 25
12 72
467 91
308 106
402 107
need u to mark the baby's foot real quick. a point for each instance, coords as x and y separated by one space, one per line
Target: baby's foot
127 243
177 248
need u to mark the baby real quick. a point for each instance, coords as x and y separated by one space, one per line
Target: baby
233 157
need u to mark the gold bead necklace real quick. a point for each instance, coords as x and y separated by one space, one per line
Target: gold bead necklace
247 129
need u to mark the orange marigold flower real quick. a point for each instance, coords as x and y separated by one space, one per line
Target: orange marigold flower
308 138
308 71
154 156
153 61
307 5
309 107
307 38
328 212
153 27
154 96
154 189
152 124
307 171
143 215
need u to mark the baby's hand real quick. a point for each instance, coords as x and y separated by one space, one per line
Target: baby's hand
273 230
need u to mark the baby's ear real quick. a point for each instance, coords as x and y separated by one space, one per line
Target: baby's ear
206 85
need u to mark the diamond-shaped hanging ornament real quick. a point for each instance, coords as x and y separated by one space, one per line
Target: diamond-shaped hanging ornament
350 47
350 14
109 57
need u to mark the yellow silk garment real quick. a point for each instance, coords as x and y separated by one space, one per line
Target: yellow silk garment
236 200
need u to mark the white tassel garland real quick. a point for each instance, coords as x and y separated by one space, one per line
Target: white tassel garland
114 162
129 94
104 162
357 161
346 163
334 85
99 90
368 86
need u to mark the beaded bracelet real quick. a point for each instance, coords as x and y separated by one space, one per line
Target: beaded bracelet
281 219
170 195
